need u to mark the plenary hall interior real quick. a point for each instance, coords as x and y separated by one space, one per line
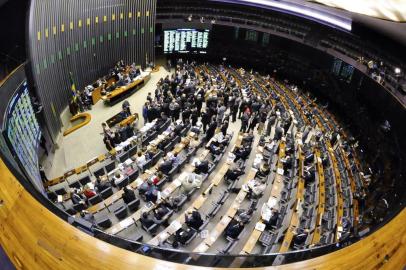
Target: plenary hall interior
202 134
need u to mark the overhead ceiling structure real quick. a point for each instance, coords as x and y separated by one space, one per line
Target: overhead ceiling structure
392 10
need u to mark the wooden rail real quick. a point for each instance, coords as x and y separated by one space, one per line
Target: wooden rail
86 117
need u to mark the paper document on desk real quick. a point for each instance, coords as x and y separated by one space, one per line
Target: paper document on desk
280 171
204 234
126 222
175 225
260 226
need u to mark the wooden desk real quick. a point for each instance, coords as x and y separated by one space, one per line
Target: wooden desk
123 91
165 194
294 219
225 220
96 94
116 196
322 198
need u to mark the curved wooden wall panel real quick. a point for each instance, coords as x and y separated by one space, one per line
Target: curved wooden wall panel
34 238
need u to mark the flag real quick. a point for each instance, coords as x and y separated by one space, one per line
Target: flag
72 84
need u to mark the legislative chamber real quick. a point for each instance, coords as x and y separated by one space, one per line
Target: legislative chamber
200 134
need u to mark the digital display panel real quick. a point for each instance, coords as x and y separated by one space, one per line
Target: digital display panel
22 131
186 41
342 70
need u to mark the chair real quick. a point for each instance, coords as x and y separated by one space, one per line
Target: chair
156 157
52 196
121 212
99 172
182 201
75 185
193 236
223 198
79 207
134 205
106 193
60 191
214 210
122 183
229 247
172 172
104 223
161 182
133 151
152 229
147 165
133 176
83 181
123 157
71 211
111 166
95 200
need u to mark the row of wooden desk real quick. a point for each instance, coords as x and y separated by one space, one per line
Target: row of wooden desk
225 220
274 197
165 194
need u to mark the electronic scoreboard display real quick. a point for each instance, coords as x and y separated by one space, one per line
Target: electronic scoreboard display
23 132
186 41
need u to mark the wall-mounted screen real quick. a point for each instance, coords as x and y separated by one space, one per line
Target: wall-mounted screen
22 131
186 41
342 70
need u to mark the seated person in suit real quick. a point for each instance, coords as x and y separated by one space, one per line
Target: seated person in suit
269 214
264 170
215 148
140 160
78 198
178 128
174 158
234 228
172 202
166 166
244 215
182 236
309 175
241 153
201 167
287 162
254 187
160 213
101 185
146 221
152 194
144 187
248 138
234 173
162 119
194 220
300 236
128 195
87 216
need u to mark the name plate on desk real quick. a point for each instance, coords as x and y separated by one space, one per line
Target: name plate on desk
260 226
204 234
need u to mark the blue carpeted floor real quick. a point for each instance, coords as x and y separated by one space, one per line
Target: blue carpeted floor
5 261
